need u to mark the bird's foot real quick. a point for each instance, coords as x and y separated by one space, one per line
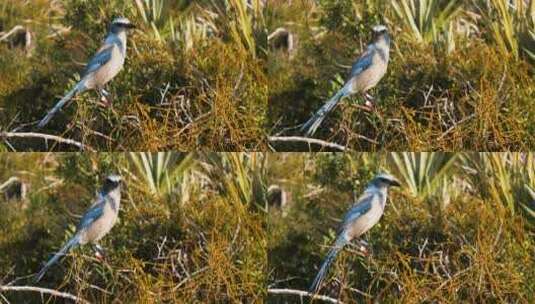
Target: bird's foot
367 106
105 98
99 253
104 102
363 247
100 257
369 103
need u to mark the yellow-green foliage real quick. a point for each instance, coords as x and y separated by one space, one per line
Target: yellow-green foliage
455 90
473 250
463 234
194 244
193 78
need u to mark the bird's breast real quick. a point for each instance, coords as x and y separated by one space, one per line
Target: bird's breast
366 221
111 68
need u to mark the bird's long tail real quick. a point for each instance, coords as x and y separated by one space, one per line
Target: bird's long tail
310 127
71 243
341 241
77 89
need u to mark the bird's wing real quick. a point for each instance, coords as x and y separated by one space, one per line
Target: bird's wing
363 205
96 211
102 56
364 62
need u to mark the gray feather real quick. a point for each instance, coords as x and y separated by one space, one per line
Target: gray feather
71 243
76 90
341 241
315 121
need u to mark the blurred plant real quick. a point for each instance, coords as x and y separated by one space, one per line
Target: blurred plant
193 31
153 14
427 19
240 21
161 171
332 170
239 175
197 21
424 174
514 28
150 10
530 208
505 177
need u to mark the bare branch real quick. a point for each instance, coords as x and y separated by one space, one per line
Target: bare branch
52 292
58 139
308 141
455 125
14 30
302 293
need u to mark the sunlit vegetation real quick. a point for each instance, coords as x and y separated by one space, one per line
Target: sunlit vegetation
194 74
459 230
185 234
230 228
461 73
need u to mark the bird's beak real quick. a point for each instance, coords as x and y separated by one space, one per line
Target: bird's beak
131 26
395 183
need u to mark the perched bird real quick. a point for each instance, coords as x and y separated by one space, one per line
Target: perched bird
95 223
365 74
364 214
102 68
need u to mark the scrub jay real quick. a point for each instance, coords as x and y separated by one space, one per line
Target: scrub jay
95 223
102 68
364 214
365 74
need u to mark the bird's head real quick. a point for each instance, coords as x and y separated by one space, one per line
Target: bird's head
380 31
121 24
111 183
385 180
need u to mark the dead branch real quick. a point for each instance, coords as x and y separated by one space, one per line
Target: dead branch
9 182
52 292
282 38
46 137
308 141
302 293
14 30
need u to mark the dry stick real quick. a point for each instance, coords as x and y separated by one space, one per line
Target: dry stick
303 294
15 29
45 137
308 140
10 181
53 292
455 125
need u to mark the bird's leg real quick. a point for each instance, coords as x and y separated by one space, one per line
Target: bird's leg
105 93
108 96
103 97
367 106
363 247
369 101
99 252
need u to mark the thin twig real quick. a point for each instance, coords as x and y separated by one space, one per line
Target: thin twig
302 293
7 183
14 30
45 137
52 292
308 140
456 124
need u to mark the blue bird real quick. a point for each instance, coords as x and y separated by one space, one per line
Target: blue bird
95 223
364 214
103 67
365 74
